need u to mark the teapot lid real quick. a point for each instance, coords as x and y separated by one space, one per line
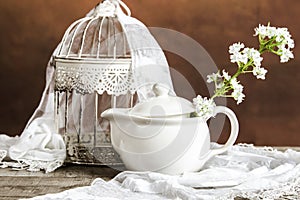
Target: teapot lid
163 104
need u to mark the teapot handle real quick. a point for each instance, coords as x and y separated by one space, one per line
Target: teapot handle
234 130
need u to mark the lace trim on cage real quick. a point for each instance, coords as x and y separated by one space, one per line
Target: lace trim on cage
112 77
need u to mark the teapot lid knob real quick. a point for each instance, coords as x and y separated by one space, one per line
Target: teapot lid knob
160 90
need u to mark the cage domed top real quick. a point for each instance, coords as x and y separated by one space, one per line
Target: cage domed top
109 51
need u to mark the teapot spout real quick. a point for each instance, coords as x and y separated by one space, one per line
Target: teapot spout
107 114
111 113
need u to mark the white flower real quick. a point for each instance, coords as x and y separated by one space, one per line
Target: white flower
220 85
238 95
238 57
213 77
265 31
235 84
204 107
286 54
236 53
235 57
254 55
287 43
271 31
290 42
226 75
236 47
198 100
257 61
259 72
282 34
261 30
245 55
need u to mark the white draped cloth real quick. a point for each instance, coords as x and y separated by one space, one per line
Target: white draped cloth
244 171
39 147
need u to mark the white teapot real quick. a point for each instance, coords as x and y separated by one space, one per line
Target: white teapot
159 135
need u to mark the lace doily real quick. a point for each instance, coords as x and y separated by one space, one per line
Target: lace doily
283 192
111 75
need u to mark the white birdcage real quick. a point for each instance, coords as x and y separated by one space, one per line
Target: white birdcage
101 62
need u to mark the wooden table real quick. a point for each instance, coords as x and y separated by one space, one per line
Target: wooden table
24 184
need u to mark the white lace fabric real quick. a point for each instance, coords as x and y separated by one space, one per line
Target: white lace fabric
37 148
244 171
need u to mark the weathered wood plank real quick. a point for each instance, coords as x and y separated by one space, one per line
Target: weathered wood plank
47 182
25 184
65 171
29 191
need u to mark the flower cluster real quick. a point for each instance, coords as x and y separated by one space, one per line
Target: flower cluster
221 80
247 56
280 38
248 60
204 107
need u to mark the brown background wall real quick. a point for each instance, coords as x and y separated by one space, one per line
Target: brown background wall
30 30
